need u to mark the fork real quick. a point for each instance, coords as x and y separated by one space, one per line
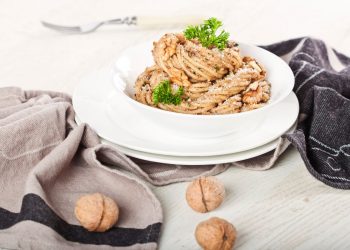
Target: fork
147 22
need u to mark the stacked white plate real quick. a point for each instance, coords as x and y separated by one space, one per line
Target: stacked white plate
100 104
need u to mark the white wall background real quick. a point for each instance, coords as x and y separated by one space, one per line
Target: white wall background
34 57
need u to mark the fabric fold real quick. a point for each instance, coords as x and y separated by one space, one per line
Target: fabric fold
322 85
47 162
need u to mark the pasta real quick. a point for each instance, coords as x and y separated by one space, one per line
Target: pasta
213 81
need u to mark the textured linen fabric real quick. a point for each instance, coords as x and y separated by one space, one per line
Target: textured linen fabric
46 163
322 85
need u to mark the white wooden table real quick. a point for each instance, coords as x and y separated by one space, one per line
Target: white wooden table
283 208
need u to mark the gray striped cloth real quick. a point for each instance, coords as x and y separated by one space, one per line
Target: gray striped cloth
47 162
322 85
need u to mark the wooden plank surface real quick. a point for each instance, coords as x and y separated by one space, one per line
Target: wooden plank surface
283 208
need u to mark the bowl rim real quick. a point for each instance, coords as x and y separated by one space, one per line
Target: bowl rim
131 100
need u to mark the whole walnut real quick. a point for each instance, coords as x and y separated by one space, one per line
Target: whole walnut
96 212
216 234
205 194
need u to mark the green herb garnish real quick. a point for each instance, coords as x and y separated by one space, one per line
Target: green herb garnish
163 93
206 34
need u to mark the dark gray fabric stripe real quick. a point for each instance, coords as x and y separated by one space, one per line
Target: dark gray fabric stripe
35 209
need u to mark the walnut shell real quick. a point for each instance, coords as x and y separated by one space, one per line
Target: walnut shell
96 212
205 194
216 234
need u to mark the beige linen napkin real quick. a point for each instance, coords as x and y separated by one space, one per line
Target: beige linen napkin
47 161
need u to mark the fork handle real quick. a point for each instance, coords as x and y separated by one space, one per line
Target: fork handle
156 22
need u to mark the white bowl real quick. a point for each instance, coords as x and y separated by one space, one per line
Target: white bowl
134 60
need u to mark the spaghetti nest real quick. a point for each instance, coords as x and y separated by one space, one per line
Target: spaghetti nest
212 81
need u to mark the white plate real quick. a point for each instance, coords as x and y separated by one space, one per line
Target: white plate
194 160
133 61
96 103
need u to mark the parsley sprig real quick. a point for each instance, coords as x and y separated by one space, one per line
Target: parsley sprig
206 34
163 93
